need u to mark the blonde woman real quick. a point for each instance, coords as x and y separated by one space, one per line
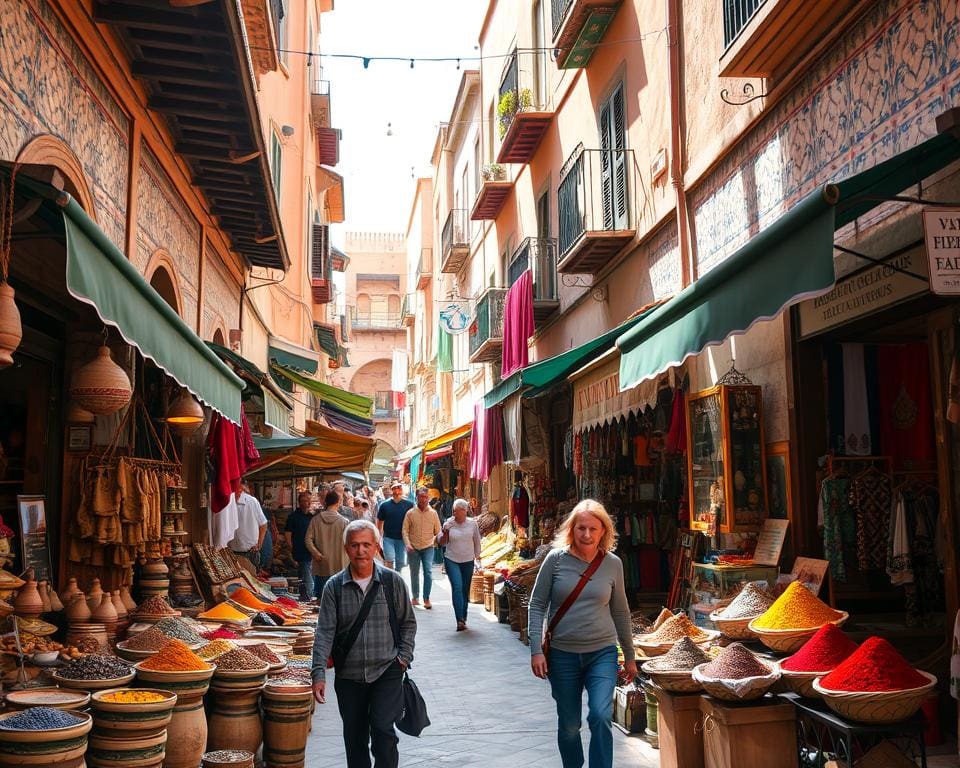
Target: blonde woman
579 589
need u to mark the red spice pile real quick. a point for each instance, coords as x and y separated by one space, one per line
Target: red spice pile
874 666
219 634
286 602
823 652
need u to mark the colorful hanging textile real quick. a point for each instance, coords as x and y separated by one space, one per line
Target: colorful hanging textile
518 325
856 417
486 441
444 350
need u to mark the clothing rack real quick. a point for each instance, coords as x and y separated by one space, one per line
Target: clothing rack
833 462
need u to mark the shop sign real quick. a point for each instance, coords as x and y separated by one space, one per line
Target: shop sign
864 293
941 234
455 316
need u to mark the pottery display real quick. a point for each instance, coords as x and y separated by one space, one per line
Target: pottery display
101 386
10 329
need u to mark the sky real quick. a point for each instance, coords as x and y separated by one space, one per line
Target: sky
378 185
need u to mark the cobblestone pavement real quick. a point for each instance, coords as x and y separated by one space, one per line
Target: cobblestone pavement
485 705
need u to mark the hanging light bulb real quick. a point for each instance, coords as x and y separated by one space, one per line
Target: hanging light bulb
389 130
184 414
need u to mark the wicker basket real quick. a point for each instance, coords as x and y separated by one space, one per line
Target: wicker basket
800 683
876 707
489 579
476 587
790 640
515 609
658 649
746 689
735 629
675 681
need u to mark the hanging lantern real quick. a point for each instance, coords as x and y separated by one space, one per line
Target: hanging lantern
10 330
184 414
101 386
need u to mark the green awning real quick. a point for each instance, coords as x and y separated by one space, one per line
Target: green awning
289 358
275 412
274 444
353 404
790 260
99 274
547 372
327 339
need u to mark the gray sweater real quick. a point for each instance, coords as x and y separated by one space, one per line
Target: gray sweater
598 618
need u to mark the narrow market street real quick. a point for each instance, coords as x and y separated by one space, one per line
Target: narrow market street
485 706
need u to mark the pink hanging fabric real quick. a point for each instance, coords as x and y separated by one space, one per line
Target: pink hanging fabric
518 325
486 441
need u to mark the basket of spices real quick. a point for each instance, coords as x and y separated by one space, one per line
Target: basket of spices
737 674
263 652
794 618
733 620
240 669
55 698
153 609
132 712
94 672
43 736
676 627
175 668
214 648
674 670
875 684
145 644
820 655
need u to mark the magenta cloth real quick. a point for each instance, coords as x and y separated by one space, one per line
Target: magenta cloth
486 441
518 325
225 443
249 453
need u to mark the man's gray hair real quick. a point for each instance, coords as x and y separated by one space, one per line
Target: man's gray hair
461 503
355 526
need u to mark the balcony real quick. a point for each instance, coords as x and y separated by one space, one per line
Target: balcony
493 193
596 209
383 409
321 266
578 26
328 146
768 38
486 328
320 104
455 241
408 310
375 321
523 110
539 255
425 269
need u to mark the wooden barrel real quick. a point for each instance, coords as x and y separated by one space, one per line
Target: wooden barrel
135 752
56 748
187 732
286 724
234 721
55 698
241 679
132 720
476 587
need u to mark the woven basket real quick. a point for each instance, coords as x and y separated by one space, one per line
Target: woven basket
735 629
747 688
476 588
800 683
675 681
876 707
790 640
489 579
658 649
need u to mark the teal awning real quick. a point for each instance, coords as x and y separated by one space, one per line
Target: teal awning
327 339
276 411
790 260
547 372
273 444
99 274
289 358
348 402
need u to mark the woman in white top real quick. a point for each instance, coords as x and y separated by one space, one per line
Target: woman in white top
461 536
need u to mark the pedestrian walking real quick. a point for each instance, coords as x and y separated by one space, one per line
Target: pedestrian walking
390 522
296 534
580 588
324 539
367 624
251 526
421 526
460 536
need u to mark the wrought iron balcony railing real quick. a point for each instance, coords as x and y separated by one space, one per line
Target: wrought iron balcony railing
377 320
486 330
736 16
540 256
455 240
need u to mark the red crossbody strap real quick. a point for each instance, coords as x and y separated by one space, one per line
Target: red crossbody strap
572 597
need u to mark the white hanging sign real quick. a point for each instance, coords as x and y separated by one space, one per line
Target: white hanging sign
941 230
455 316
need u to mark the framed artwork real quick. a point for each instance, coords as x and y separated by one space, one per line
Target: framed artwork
33 534
79 437
778 480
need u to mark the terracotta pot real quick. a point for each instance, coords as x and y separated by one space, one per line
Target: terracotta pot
10 330
78 611
286 725
56 604
71 590
118 605
28 601
95 589
127 599
43 589
105 613
101 386
234 722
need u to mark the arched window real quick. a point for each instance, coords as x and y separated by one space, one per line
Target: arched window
162 283
218 338
393 304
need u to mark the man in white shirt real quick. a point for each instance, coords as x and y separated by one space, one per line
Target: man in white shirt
251 527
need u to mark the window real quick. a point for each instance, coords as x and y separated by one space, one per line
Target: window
613 161
276 162
491 129
465 184
476 165
540 54
543 215
283 33
308 220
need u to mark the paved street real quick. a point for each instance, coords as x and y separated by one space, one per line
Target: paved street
487 708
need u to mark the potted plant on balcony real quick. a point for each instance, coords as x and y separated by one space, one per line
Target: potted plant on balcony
493 172
510 103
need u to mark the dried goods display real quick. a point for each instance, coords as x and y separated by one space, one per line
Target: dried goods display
238 659
134 696
149 640
220 633
215 648
823 652
175 656
735 662
874 666
796 608
40 719
675 628
178 629
684 655
155 605
262 651
95 667
752 601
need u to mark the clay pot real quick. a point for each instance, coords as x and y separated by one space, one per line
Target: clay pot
234 721
95 589
118 605
127 599
43 589
61 747
105 613
101 386
56 604
10 329
71 590
28 601
187 731
78 611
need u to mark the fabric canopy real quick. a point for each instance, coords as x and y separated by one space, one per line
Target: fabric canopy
447 438
276 410
790 260
323 451
290 356
99 274
349 403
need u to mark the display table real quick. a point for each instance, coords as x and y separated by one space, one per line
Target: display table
752 734
823 734
680 728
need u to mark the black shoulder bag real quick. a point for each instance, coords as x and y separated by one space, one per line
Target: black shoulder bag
413 718
344 641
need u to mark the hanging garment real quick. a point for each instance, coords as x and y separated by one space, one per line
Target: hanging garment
834 359
518 325
899 560
223 445
486 441
906 410
856 416
839 527
870 499
677 436
520 506
444 349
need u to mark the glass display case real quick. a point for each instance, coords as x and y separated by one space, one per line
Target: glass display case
726 460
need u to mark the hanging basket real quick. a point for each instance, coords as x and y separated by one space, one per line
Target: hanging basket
101 386
10 329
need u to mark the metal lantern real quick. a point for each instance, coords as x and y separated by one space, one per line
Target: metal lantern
184 415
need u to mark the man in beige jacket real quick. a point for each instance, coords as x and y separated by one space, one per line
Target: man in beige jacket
420 529
324 540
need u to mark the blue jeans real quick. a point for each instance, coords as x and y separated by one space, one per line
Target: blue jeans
394 551
569 674
305 570
459 575
318 582
266 552
422 557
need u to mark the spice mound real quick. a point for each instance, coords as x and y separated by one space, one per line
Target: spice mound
684 656
155 606
246 598
177 628
874 666
215 648
219 634
797 608
290 677
40 719
821 653
238 659
675 628
175 656
134 696
262 651
149 640
287 602
735 662
664 615
224 612
95 667
752 601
